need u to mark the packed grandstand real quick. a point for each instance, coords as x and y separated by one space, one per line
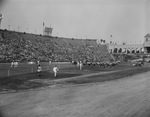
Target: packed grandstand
19 46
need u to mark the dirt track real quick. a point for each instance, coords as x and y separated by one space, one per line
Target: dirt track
128 97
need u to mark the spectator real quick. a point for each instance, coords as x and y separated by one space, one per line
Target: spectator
12 64
50 62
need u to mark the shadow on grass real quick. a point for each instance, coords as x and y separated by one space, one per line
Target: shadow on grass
109 76
23 81
26 81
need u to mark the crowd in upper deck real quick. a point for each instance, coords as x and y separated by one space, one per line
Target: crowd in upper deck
21 47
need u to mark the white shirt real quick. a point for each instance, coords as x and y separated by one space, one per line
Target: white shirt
55 69
39 69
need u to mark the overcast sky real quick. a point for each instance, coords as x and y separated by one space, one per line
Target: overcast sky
126 20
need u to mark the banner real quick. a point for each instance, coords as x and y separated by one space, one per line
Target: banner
48 31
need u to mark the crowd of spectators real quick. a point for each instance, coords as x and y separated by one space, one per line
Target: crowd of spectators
20 47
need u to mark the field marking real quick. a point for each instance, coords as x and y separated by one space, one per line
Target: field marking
92 74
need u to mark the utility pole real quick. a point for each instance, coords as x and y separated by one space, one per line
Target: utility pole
1 17
8 27
18 29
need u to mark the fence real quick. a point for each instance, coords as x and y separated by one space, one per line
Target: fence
6 70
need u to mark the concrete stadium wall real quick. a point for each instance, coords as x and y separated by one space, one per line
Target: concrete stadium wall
114 48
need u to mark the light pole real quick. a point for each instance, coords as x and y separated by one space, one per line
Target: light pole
1 17
18 29
8 27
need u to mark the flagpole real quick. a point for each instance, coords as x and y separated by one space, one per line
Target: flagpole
1 17
43 27
0 23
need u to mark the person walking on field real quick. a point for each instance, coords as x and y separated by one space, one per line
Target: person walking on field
55 69
39 70
80 65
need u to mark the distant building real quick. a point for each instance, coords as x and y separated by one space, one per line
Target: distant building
131 48
125 48
147 43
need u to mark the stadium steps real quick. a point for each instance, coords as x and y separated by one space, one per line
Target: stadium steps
59 41
28 36
75 42
66 42
89 42
18 36
83 43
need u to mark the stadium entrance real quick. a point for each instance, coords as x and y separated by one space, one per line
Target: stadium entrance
148 49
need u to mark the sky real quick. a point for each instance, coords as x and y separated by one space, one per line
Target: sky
126 20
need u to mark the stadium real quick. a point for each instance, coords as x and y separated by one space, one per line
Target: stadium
95 78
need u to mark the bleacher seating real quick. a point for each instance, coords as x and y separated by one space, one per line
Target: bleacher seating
89 42
26 47
74 42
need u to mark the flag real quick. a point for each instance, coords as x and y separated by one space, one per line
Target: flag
43 24
110 35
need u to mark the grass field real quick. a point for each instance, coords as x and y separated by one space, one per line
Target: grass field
25 76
